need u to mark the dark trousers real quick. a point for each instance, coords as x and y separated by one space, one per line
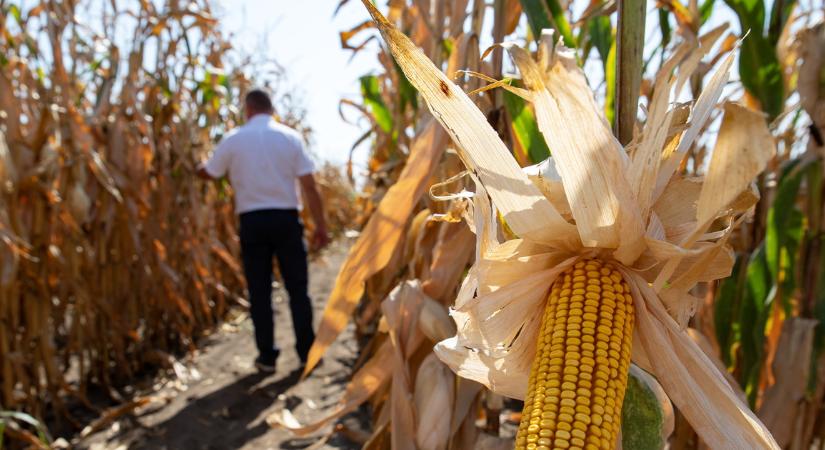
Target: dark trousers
279 233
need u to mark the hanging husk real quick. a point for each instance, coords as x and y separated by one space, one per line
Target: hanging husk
612 200
434 396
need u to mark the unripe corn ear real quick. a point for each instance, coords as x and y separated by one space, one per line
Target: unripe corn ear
579 375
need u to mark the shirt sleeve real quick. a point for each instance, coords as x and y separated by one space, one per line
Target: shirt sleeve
218 164
304 165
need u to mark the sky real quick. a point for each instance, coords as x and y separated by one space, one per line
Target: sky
303 37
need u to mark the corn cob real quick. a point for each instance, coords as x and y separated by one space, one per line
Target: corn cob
579 375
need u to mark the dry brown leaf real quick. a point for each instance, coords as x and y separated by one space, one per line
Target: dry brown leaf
450 258
434 321
702 341
782 402
699 115
676 207
526 211
546 177
401 310
589 159
112 414
434 404
378 239
743 148
690 379
512 15
812 52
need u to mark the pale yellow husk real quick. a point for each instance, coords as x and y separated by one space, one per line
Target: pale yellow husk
666 233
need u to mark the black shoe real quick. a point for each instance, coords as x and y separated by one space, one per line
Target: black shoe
266 366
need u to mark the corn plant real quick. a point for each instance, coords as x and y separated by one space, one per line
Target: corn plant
114 258
500 327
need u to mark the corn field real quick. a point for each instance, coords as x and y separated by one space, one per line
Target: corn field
668 154
114 258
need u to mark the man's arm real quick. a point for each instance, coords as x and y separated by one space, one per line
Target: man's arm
320 238
218 164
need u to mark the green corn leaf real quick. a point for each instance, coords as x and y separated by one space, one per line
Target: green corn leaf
601 35
537 16
726 310
543 14
610 82
705 10
583 38
771 273
371 92
784 232
815 190
780 12
757 300
664 26
562 25
759 67
526 128
15 12
761 74
751 14
407 93
814 195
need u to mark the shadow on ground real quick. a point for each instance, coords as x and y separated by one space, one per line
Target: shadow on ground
240 420
225 402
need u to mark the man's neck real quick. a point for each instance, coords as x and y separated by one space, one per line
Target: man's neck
259 116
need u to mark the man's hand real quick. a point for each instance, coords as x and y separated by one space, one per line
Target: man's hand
320 239
201 172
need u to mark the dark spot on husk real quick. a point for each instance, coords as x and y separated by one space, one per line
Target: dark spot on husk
444 88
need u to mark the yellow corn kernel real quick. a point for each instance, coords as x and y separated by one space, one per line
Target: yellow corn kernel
579 376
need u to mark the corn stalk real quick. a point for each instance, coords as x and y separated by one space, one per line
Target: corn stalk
114 259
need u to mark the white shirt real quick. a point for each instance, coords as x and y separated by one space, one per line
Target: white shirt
264 159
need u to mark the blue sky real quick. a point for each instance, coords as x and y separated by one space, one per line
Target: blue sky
303 37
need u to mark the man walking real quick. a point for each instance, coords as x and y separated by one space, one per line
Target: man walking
266 161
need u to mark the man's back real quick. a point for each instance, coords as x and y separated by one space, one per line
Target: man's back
264 159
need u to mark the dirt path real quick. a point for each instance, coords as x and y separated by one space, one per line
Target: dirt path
219 400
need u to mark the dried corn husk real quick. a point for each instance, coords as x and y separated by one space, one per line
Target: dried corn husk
369 255
809 83
434 321
434 397
401 309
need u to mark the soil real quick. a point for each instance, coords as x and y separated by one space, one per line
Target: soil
218 400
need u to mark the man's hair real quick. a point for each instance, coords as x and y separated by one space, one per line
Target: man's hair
258 100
